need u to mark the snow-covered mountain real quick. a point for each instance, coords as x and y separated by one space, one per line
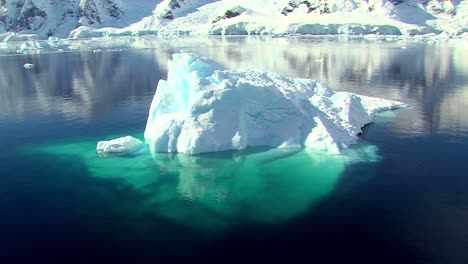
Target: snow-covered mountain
59 17
43 17
123 17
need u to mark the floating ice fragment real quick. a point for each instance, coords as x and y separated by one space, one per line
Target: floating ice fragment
123 145
204 108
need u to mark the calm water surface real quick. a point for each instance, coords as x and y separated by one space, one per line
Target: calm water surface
400 196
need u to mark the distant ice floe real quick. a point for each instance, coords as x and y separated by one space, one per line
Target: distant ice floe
120 146
204 108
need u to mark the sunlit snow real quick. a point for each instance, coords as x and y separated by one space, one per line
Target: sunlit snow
204 108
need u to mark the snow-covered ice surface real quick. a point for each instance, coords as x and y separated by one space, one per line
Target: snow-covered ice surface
120 146
204 108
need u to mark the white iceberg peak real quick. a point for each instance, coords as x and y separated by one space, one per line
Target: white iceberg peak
204 108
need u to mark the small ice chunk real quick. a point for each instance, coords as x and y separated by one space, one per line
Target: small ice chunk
29 65
123 145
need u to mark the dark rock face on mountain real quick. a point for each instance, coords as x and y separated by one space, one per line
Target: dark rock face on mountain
320 6
42 16
170 9
93 11
173 4
31 17
49 17
228 14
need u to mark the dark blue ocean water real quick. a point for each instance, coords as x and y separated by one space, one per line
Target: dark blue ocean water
400 196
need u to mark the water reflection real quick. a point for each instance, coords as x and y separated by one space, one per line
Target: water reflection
81 85
86 84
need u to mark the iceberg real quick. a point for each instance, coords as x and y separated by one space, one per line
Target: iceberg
202 107
119 146
29 65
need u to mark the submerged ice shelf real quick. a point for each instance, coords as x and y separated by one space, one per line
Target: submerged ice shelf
214 191
204 108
